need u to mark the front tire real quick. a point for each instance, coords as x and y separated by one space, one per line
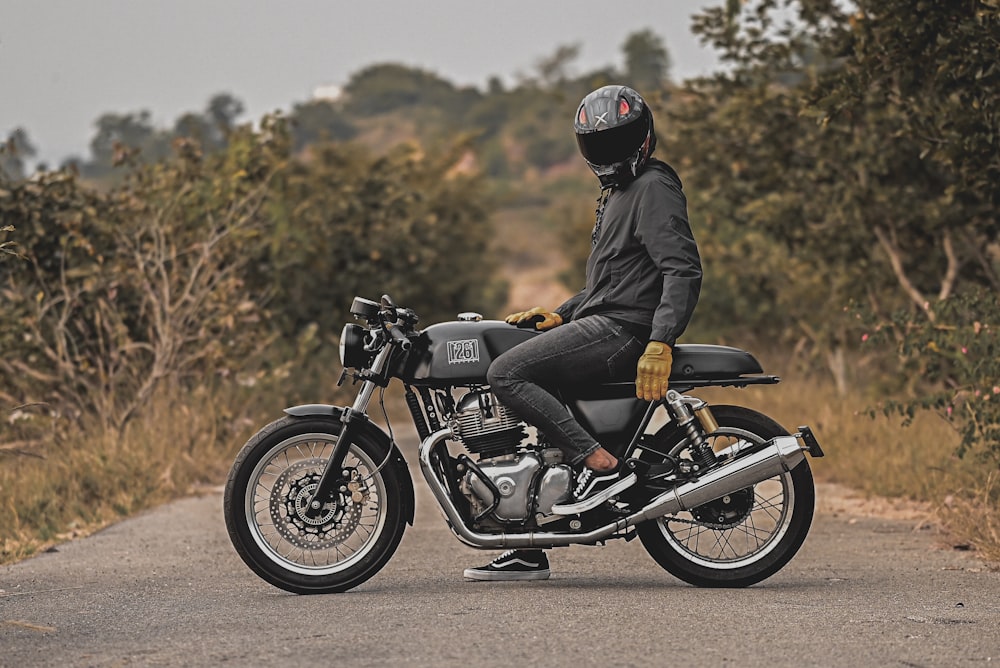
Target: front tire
349 541
744 537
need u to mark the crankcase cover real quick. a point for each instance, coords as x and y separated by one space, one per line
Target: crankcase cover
513 480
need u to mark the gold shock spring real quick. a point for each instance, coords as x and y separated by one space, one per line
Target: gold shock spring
707 420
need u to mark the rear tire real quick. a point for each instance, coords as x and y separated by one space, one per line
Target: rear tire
744 537
351 539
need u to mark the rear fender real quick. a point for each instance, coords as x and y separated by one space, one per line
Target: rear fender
375 433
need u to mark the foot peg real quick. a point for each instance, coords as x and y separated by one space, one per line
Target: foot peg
647 471
637 466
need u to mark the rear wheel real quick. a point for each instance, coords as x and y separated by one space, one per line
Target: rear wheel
266 503
743 537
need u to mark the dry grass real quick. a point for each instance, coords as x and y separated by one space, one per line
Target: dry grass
87 478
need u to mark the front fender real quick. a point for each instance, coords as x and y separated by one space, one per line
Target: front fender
377 434
307 410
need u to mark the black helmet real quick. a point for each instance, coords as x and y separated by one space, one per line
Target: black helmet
614 129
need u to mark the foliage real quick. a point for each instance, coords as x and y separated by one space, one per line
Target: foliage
165 279
13 153
958 353
822 171
647 62
143 312
132 138
118 134
387 87
223 110
521 131
7 248
575 221
319 121
348 222
933 68
125 290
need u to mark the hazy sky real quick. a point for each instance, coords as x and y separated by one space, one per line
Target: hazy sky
65 62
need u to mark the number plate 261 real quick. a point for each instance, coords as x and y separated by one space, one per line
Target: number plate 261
460 352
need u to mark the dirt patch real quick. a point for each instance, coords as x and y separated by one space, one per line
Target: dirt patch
835 499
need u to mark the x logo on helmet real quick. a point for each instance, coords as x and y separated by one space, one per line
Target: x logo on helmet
603 118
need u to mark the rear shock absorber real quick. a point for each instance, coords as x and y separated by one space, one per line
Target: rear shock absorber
695 417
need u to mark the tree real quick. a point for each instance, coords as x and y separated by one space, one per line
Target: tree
647 62
379 89
319 120
934 67
189 267
13 153
848 180
129 289
116 133
195 126
553 70
223 110
350 222
211 128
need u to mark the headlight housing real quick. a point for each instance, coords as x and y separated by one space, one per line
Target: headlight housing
352 347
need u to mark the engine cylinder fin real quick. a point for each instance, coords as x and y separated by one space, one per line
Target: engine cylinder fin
487 427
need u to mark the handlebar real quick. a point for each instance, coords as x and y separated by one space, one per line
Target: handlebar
400 338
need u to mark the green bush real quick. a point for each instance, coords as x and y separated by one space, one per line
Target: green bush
956 354
194 266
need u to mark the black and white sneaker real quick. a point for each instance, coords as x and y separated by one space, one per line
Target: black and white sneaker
513 565
592 489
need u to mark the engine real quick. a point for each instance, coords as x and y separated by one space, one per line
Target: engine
485 426
515 483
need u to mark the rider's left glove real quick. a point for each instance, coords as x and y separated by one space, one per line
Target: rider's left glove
652 376
545 319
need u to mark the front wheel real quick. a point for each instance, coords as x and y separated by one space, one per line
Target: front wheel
267 495
743 537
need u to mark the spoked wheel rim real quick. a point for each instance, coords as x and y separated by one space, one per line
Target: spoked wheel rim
739 529
341 534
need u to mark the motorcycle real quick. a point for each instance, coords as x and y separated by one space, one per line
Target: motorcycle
317 501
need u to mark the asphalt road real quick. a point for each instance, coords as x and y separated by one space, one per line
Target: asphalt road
167 589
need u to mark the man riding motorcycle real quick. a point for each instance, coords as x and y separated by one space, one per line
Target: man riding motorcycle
643 281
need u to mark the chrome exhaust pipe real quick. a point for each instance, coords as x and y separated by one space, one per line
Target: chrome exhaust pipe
497 541
780 455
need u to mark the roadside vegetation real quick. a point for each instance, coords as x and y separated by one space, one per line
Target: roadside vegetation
178 287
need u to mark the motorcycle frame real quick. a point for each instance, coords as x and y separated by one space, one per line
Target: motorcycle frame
780 454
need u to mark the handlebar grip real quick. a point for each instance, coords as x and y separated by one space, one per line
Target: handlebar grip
404 342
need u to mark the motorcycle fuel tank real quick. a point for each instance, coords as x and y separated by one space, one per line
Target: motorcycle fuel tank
459 353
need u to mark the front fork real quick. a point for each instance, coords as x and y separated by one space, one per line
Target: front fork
334 477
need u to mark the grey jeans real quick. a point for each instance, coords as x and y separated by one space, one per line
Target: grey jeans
593 349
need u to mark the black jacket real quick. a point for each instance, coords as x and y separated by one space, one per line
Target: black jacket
644 270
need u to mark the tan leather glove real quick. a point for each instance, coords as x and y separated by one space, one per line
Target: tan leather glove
652 376
548 319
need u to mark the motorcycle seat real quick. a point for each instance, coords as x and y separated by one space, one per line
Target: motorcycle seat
694 365
697 360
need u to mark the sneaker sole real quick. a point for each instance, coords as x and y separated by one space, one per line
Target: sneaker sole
500 576
594 501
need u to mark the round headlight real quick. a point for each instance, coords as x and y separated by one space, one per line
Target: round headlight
352 347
